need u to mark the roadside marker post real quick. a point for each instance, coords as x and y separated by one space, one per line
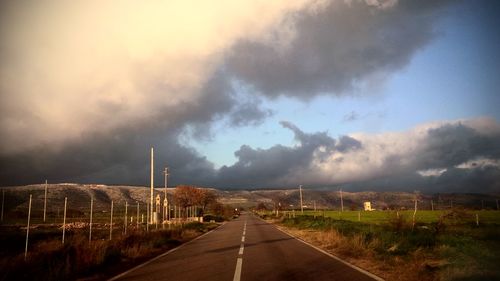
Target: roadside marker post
111 222
64 218
3 201
301 205
137 221
45 202
125 221
341 201
27 230
147 217
91 213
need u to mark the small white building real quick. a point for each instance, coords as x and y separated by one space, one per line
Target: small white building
367 206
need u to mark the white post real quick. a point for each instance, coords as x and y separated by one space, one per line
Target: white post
111 222
91 214
414 213
125 221
147 217
27 230
165 202
301 205
341 201
137 222
477 219
3 200
152 186
45 202
432 205
64 218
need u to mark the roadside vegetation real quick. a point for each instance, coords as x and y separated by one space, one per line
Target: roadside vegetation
441 245
111 248
49 259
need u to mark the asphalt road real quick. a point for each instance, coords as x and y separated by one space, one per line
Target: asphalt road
245 249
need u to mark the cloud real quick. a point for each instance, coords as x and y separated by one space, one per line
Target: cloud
73 69
335 48
87 87
431 172
408 160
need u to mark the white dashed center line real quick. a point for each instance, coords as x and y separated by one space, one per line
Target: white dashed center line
239 261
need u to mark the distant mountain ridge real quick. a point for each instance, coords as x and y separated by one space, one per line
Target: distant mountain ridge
79 198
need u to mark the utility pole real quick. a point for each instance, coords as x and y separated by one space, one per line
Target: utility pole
341 201
45 202
301 205
151 202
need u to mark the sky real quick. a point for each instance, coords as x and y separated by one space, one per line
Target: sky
380 95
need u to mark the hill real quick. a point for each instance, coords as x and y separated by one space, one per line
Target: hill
16 198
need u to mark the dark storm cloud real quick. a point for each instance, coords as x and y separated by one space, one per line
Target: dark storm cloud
453 144
384 162
118 158
476 180
122 155
337 48
270 167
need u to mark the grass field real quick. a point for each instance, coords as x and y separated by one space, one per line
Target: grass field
441 245
424 216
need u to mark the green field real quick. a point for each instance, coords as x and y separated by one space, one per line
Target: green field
440 245
425 216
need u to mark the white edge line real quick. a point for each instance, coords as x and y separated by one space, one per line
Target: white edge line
161 255
331 255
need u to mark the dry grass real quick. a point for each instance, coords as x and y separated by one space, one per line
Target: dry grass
355 251
52 260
